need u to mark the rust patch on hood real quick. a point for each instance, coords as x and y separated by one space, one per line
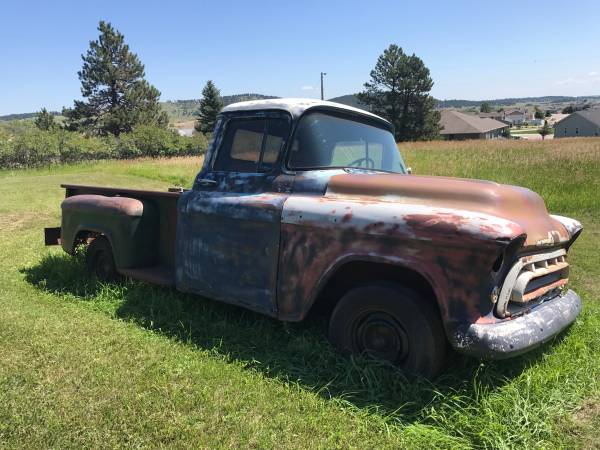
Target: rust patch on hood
519 205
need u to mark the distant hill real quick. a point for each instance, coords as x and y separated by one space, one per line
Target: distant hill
182 110
31 115
549 99
350 100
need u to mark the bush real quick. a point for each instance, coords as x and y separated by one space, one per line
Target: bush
27 146
33 147
158 142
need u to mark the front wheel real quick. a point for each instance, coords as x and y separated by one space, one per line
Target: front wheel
393 323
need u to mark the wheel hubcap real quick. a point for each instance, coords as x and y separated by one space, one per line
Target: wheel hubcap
381 335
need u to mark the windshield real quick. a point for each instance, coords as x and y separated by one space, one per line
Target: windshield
324 141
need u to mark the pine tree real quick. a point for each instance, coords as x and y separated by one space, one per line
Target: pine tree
210 105
112 82
399 91
44 120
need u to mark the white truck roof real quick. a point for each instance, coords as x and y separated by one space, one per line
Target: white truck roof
295 106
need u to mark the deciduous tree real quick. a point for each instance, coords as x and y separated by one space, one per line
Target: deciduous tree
545 130
117 97
568 109
485 108
538 114
399 91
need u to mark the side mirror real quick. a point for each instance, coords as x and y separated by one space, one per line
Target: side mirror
409 170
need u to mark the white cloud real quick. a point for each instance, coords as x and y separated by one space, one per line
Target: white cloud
569 80
307 88
593 78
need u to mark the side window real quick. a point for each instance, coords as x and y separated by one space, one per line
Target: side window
240 150
251 145
274 141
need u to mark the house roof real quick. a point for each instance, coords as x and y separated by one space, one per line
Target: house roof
511 112
490 115
295 106
454 122
591 115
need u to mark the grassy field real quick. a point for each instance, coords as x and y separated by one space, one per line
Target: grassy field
131 365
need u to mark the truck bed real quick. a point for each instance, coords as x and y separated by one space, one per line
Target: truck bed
166 203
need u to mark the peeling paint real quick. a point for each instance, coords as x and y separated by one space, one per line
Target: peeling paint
270 242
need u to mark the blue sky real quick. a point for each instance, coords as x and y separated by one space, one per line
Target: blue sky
474 49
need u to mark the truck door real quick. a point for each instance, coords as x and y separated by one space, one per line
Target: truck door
229 223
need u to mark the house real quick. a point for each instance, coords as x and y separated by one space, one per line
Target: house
580 123
517 116
538 122
456 125
499 115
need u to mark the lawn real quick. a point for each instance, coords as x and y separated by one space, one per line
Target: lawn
520 131
131 365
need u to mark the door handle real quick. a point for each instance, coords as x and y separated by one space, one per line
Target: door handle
207 182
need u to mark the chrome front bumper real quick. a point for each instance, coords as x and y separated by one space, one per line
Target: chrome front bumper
512 337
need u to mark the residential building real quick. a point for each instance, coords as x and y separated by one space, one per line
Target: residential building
499 115
456 125
517 116
580 123
534 121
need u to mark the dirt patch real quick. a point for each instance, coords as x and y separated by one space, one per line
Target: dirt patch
22 220
588 411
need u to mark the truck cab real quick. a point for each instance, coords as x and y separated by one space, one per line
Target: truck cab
230 222
303 204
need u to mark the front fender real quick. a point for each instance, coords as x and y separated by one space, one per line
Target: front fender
453 250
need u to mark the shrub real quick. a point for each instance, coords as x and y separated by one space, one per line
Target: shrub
33 147
76 147
28 146
158 142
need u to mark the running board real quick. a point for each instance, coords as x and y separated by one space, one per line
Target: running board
160 275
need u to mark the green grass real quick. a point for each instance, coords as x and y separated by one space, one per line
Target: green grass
525 131
529 130
106 365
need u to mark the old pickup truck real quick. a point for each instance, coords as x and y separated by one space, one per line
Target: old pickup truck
304 204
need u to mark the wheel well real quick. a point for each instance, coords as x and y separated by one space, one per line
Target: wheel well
356 273
84 237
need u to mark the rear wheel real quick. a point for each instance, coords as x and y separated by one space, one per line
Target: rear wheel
99 260
393 323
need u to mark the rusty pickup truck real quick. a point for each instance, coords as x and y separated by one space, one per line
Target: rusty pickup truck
304 204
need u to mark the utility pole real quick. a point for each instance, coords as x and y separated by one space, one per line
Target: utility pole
322 74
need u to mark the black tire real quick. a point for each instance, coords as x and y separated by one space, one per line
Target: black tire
392 323
99 260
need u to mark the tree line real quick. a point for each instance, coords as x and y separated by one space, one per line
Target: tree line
117 98
119 114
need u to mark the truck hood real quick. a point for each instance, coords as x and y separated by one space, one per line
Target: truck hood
516 204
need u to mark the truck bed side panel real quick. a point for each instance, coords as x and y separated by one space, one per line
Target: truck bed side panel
164 202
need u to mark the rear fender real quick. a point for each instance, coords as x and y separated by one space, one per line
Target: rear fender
130 225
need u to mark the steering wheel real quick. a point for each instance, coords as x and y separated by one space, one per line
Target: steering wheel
369 163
